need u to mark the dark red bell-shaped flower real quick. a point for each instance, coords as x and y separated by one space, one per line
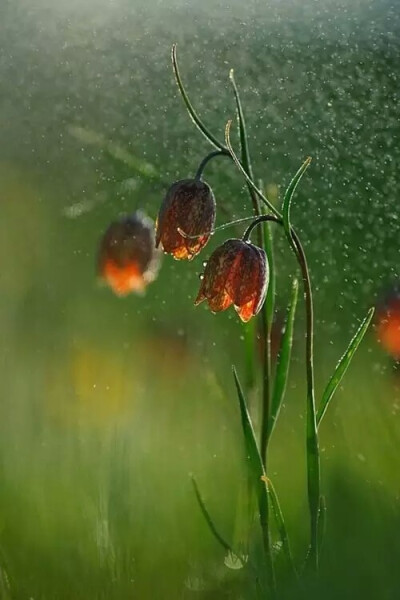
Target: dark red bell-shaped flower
128 260
189 206
237 273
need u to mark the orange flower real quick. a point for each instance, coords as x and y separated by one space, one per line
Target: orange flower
237 273
388 324
189 205
128 260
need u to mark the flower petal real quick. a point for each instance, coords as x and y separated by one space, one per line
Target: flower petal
123 280
246 311
220 302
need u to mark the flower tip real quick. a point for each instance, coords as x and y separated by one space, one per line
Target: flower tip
199 298
231 74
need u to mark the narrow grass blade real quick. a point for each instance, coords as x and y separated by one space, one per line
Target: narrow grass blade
280 523
287 199
321 522
245 154
342 366
209 520
250 354
282 369
253 454
250 182
270 299
257 470
242 128
193 114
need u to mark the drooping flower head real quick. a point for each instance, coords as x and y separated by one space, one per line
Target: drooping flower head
189 206
128 260
237 273
388 322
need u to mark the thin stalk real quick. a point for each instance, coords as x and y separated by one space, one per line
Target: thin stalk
258 476
312 446
280 522
206 160
193 114
313 459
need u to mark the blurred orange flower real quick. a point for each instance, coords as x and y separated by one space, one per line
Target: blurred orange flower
128 260
388 324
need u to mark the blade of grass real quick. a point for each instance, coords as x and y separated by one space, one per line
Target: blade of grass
193 114
244 150
249 343
249 180
343 365
287 199
209 520
282 370
242 126
280 523
322 521
270 299
256 468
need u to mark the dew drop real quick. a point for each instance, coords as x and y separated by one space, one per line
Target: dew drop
201 276
205 263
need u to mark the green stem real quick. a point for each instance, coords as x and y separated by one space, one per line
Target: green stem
280 522
312 446
313 459
206 160
193 114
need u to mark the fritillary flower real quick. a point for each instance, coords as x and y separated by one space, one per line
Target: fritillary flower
128 260
186 218
237 273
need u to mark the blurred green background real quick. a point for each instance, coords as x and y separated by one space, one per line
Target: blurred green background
107 404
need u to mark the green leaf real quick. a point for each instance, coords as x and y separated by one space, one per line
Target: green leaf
282 369
250 182
287 200
250 354
209 520
256 469
280 523
253 454
343 365
193 114
269 249
242 127
321 521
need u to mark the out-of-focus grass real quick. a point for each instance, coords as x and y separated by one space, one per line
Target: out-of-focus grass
108 405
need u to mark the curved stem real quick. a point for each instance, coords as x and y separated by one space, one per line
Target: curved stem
260 219
193 114
246 161
207 159
313 459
